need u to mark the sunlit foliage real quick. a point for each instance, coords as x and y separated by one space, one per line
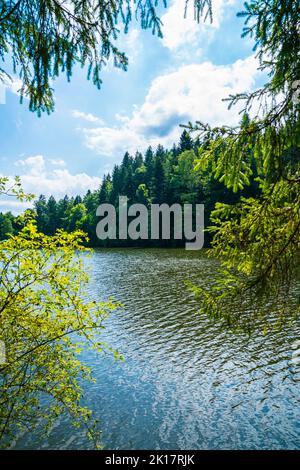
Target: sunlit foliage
258 239
45 322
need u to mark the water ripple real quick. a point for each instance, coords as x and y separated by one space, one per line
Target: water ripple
185 382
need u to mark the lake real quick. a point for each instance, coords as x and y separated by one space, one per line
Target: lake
185 383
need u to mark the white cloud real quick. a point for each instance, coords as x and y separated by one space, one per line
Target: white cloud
85 116
34 165
14 85
121 117
193 92
39 176
181 31
57 162
14 206
131 44
39 179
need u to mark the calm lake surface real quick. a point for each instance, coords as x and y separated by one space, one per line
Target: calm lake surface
185 382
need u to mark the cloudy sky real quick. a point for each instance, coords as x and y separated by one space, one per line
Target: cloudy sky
179 78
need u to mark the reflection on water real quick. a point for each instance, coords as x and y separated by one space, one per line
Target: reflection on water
185 383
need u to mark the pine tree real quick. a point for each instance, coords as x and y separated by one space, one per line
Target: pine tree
51 209
127 177
105 189
41 213
6 227
158 186
257 239
77 200
186 142
116 185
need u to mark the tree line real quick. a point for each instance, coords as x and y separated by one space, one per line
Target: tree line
159 176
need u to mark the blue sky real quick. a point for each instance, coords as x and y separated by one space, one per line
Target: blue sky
169 81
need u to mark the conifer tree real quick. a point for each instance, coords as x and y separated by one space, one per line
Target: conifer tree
257 239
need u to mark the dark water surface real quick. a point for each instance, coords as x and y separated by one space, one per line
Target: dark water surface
185 382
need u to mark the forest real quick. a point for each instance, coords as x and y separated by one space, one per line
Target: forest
159 176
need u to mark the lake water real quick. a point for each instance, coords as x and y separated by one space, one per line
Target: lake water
185 382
